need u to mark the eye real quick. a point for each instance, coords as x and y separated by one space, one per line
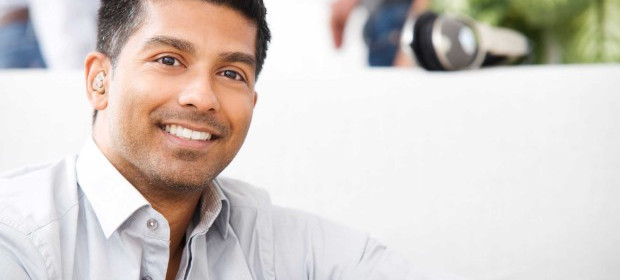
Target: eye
168 60
234 75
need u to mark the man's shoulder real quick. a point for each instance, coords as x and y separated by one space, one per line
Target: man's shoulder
36 195
244 195
284 220
298 237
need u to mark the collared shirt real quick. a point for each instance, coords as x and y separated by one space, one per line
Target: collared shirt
81 219
128 221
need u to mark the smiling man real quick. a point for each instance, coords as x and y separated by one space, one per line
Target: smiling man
172 86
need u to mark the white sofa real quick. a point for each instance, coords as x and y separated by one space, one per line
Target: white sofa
508 173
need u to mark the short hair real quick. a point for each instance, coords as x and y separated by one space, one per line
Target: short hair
119 19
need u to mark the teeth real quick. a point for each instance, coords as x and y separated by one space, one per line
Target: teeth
186 133
195 135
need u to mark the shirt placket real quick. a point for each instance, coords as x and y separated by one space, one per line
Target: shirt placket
196 243
156 233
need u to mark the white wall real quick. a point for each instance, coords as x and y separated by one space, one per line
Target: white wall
302 38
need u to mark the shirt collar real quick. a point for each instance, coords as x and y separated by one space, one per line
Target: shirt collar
112 197
222 220
213 211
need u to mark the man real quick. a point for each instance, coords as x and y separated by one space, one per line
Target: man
172 85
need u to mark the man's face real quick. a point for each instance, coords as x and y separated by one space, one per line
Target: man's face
181 95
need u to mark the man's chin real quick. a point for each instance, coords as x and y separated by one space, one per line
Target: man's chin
186 187
184 182
185 175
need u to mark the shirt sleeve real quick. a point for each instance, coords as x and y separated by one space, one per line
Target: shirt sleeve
10 268
19 258
310 247
379 262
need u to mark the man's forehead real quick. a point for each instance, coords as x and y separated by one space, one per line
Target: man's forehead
219 4
166 22
193 12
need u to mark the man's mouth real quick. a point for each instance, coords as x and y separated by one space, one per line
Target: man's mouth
186 133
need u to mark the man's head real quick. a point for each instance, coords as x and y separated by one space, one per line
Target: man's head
177 94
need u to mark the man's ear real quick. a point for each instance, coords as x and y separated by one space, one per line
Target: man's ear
97 67
255 98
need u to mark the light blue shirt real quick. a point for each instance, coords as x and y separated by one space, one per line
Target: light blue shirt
79 218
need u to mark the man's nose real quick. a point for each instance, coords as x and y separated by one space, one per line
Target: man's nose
200 94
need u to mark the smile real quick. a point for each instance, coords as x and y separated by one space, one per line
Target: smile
187 133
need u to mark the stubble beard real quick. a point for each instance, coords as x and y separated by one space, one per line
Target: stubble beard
155 170
149 169
181 174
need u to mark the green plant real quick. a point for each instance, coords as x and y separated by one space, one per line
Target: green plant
563 31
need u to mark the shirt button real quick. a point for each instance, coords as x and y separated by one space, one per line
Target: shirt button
152 225
147 278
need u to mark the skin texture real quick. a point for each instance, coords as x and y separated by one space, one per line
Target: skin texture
191 63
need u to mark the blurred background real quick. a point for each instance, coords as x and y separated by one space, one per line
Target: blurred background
58 34
330 34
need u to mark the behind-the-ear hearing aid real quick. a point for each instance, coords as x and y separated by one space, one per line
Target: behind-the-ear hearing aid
98 82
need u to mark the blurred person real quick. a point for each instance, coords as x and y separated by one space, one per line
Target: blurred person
19 47
172 85
382 28
41 33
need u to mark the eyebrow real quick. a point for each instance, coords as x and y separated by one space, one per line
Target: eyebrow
179 44
238 57
186 46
